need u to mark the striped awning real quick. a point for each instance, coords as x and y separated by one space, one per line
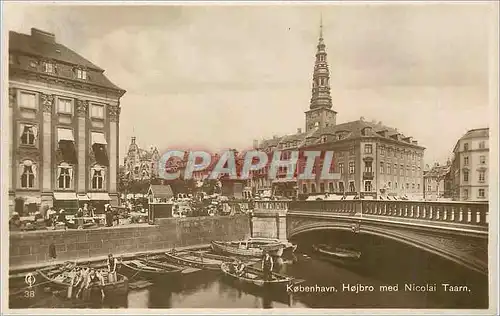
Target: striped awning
65 196
99 196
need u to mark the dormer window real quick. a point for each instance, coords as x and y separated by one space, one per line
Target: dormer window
323 139
81 74
48 67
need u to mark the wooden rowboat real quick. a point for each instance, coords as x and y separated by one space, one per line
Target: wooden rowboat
255 277
245 248
142 269
338 255
61 277
198 260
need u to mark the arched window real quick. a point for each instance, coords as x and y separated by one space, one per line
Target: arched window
97 177
313 188
64 176
27 172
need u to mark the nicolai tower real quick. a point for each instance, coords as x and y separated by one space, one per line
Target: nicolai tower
320 113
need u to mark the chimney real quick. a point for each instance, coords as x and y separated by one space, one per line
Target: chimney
299 130
414 142
43 36
255 143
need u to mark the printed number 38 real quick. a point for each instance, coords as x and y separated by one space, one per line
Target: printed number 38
29 294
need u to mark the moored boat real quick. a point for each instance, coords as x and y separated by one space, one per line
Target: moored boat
287 246
142 269
245 248
61 277
341 255
200 260
255 277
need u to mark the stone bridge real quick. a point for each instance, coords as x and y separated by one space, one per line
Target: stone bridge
457 231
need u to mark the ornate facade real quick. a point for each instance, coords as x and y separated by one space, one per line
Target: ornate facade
371 158
64 115
141 164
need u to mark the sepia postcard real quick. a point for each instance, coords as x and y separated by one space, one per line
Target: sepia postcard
250 157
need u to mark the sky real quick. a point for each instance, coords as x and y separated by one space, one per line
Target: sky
220 76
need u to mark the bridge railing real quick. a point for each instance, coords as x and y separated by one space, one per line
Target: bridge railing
472 213
272 205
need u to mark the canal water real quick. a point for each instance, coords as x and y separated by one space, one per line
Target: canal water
395 267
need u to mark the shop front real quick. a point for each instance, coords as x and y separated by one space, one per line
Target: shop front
67 201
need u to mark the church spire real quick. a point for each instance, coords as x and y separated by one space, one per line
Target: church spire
321 78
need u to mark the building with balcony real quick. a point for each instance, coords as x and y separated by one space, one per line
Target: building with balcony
438 182
371 158
64 116
141 164
469 167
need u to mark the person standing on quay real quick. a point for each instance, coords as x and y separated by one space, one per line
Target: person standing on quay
267 266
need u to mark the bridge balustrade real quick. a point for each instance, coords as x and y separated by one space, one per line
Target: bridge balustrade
271 205
472 213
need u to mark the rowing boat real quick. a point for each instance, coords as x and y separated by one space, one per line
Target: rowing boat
255 277
142 269
338 255
246 248
199 260
61 277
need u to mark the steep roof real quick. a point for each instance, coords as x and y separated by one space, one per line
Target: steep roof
477 133
31 45
437 171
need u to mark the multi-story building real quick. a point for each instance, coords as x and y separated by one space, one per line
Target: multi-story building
370 157
438 182
469 168
64 116
141 164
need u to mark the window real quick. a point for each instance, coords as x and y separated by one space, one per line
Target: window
341 168
381 168
482 160
351 167
418 186
413 186
27 100
64 106
313 188
395 185
48 67
341 187
466 194
304 188
388 168
352 188
382 151
482 175
368 167
331 189
97 111
389 184
396 169
351 151
97 176
27 172
28 134
81 74
64 176
466 175
481 144
466 147
368 149
322 187
407 186
368 186
466 161
481 193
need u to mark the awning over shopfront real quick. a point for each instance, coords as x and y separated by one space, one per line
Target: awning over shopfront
65 134
65 196
98 138
32 199
99 196
83 197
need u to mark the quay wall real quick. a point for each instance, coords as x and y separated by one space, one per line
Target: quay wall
28 248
